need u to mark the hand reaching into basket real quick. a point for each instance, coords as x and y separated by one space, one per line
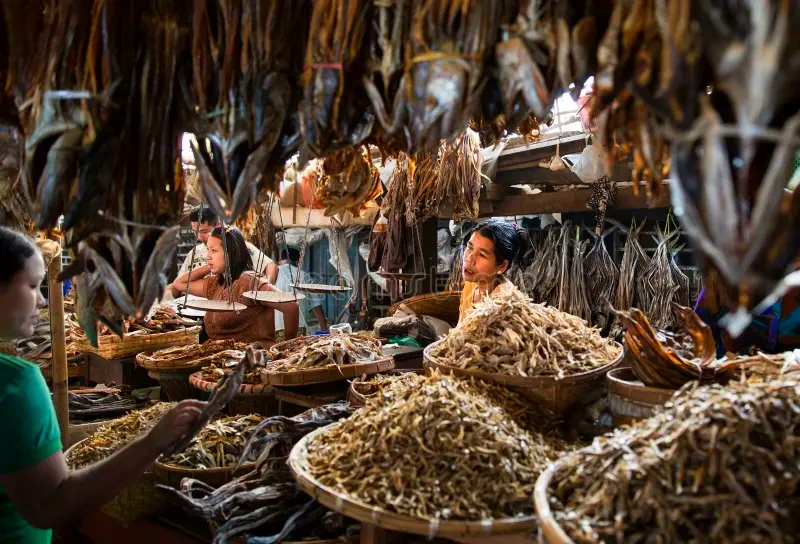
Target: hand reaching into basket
174 425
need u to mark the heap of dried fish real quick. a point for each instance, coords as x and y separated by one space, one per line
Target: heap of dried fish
328 350
508 334
348 182
378 384
266 500
115 435
176 354
443 448
220 444
38 346
760 367
665 359
718 464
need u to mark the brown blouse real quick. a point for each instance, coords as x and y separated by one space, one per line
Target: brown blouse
254 324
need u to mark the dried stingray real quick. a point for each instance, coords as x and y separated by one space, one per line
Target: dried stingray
508 334
602 276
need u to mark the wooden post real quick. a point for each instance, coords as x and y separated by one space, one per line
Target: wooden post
58 348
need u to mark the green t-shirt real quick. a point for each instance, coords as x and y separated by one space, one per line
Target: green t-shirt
30 434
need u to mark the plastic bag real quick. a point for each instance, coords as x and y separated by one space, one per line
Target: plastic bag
589 166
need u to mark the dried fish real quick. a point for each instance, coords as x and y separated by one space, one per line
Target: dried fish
577 301
602 276
115 435
510 335
717 464
330 350
377 385
348 181
220 444
634 260
480 455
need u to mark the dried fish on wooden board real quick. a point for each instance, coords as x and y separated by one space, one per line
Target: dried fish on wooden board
219 444
508 334
266 500
667 359
716 464
115 435
440 448
328 350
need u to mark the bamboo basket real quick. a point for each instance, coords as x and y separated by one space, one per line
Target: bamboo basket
150 361
326 374
279 350
139 499
256 398
355 509
630 400
215 477
175 384
556 395
113 347
443 305
550 532
356 399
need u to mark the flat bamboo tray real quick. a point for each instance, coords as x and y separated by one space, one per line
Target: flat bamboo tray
443 305
353 508
197 381
273 296
278 350
215 477
557 395
113 347
550 532
214 306
147 360
320 288
326 374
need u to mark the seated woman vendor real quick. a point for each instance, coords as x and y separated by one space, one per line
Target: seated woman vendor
214 282
491 249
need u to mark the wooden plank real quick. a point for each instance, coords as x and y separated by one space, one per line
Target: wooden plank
573 201
318 219
540 150
536 175
58 348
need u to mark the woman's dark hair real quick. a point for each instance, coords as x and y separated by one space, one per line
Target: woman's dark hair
239 259
510 243
203 215
15 249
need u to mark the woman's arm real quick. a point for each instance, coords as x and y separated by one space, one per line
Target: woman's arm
272 272
320 313
47 494
290 311
196 281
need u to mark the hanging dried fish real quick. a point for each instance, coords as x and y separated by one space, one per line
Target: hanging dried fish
348 182
578 302
510 335
602 276
634 260
560 297
653 475
656 287
460 173
426 189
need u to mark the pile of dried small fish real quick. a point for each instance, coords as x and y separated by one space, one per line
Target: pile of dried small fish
115 435
669 359
760 367
371 386
717 464
508 334
219 444
267 500
444 448
328 350
38 347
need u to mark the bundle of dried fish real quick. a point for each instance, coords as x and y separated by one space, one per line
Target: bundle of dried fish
460 174
348 182
560 295
542 275
717 464
510 335
329 350
266 501
219 444
98 403
115 435
426 190
468 430
656 287
602 276
669 360
577 300
39 345
634 261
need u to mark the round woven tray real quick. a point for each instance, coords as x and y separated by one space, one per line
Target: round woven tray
443 305
327 374
197 381
273 296
282 349
183 364
353 508
548 526
557 395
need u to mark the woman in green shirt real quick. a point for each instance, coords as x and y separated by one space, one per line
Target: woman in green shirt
37 490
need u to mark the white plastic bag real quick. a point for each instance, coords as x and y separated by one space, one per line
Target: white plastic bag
589 166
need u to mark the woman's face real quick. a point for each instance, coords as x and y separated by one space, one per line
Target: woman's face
21 299
480 263
216 255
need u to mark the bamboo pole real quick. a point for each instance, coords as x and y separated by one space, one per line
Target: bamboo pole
58 348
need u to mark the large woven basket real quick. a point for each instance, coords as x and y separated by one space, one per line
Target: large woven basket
257 398
443 305
556 395
175 384
550 532
138 500
278 350
113 347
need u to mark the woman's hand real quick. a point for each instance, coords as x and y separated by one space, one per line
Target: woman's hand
173 426
192 280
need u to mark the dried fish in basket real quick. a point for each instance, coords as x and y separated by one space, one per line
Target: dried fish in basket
666 359
266 500
219 444
328 350
115 435
367 387
441 448
193 355
716 464
510 335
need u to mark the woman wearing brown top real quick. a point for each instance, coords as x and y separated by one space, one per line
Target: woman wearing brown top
257 322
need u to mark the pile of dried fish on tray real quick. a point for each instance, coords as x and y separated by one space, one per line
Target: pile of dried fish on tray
266 500
508 334
439 451
38 347
717 464
114 435
192 356
325 358
219 445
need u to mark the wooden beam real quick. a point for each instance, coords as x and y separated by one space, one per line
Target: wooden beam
572 202
540 150
533 174
318 219
58 347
